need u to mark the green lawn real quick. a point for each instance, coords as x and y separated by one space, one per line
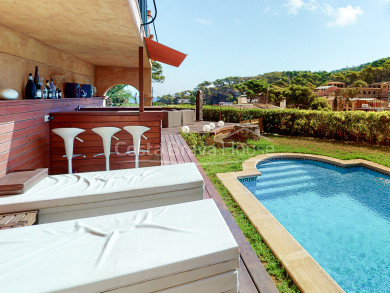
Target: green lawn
217 160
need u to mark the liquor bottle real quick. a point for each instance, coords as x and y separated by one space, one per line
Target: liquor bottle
45 92
31 89
49 93
58 94
52 88
37 82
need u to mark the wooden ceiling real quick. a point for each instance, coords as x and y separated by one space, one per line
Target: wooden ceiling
101 32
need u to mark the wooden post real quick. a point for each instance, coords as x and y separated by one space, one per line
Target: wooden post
141 78
199 106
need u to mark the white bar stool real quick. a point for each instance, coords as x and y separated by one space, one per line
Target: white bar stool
68 135
106 133
136 132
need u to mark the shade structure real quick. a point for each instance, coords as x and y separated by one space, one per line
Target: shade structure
164 54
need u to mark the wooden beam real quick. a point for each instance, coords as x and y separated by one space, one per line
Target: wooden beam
141 79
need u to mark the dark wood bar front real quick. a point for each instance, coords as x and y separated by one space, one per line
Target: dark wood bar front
92 143
24 134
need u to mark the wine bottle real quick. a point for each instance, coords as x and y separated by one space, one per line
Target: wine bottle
52 88
37 82
31 89
48 90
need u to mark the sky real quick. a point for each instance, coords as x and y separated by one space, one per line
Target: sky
245 38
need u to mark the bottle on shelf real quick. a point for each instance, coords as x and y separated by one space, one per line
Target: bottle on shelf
48 90
31 89
52 88
58 94
37 82
44 91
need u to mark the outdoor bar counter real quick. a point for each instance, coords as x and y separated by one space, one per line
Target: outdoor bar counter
24 134
92 143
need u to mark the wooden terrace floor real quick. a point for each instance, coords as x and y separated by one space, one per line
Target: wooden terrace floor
252 275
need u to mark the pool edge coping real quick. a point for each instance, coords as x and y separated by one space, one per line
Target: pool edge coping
307 274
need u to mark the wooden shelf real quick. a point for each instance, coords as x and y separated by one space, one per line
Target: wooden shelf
43 101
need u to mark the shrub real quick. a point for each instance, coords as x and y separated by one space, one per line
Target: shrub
320 104
196 141
359 126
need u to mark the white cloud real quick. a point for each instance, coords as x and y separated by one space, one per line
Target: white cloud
268 8
203 21
293 6
312 4
344 16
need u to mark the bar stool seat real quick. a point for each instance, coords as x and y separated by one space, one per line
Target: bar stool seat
68 135
106 133
137 132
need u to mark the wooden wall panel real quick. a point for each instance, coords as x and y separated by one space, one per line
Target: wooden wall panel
93 144
24 136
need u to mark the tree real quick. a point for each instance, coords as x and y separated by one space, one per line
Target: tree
253 88
275 94
157 72
320 104
359 83
165 99
298 95
119 95
115 89
349 93
352 76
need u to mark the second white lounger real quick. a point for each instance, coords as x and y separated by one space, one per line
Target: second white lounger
184 248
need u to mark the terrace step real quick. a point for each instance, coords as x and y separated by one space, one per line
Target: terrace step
281 182
284 174
283 189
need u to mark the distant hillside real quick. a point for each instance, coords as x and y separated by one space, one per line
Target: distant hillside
224 90
376 71
375 64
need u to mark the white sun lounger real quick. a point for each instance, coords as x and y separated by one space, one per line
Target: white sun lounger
74 196
183 248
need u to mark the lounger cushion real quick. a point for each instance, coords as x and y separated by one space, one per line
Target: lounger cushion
186 245
65 197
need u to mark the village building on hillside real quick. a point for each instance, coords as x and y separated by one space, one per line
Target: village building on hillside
325 91
372 98
337 84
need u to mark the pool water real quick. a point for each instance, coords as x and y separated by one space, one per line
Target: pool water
341 216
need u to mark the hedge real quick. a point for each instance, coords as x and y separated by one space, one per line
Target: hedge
358 126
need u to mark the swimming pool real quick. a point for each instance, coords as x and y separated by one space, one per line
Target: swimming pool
341 216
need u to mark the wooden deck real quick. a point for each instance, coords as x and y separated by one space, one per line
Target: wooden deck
252 275
20 219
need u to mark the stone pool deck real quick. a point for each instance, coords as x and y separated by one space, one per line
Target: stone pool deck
300 265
